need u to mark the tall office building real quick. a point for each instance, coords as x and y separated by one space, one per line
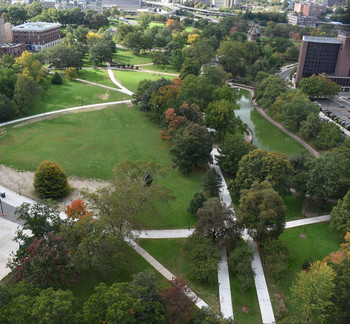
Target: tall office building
326 55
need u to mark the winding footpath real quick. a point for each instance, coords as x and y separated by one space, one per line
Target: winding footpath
8 228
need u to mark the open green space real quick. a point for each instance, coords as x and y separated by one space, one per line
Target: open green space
72 94
125 56
160 68
130 79
170 253
90 144
87 282
266 135
98 76
88 63
303 242
247 300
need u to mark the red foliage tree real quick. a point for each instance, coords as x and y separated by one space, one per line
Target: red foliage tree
173 123
173 24
179 302
77 210
48 263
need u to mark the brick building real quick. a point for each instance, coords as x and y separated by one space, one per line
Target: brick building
326 55
295 19
37 35
310 9
13 49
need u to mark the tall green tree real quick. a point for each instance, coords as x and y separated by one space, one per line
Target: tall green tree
340 215
6 108
262 211
212 183
314 290
23 96
192 147
101 52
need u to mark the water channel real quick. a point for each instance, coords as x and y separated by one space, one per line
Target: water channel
266 135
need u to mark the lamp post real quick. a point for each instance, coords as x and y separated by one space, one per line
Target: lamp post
2 210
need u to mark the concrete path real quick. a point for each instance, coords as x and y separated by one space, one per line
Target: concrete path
163 73
162 234
114 80
261 286
165 272
308 221
64 111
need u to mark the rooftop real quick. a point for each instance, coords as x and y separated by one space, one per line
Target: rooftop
324 40
36 26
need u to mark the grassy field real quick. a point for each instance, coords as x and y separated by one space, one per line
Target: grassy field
303 242
125 56
130 79
170 253
88 280
98 76
90 144
72 94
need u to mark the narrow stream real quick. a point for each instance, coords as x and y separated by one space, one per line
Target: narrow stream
266 135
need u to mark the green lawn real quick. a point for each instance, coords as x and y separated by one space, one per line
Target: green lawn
294 205
155 23
158 68
88 280
130 79
318 243
98 76
72 94
90 144
88 63
170 253
125 56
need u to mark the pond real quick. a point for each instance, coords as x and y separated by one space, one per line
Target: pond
266 136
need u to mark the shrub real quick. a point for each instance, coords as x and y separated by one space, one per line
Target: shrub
71 73
203 259
56 79
196 202
50 181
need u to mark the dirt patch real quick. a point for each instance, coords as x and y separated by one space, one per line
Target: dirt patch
22 181
245 310
303 236
104 96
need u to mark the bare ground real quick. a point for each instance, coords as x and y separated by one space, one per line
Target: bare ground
23 181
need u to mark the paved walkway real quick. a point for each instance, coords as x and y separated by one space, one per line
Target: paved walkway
308 221
114 80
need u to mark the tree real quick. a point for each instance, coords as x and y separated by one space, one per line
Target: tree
328 176
63 57
50 181
122 303
216 75
77 210
311 127
340 215
192 146
212 183
23 96
193 38
203 258
220 116
240 264
329 136
231 152
6 108
48 263
135 189
276 257
196 202
269 89
319 85
178 301
7 80
56 79
160 58
260 165
216 222
56 307
31 67
17 15
231 56
71 73
177 59
100 53
314 289
189 67
262 211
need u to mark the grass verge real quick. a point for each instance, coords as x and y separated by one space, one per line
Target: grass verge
125 56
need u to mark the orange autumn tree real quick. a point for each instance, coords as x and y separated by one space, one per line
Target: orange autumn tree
77 210
172 24
173 123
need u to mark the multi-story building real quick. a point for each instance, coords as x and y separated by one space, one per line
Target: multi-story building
13 49
326 55
310 9
37 35
295 19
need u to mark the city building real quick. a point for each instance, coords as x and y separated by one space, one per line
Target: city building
5 32
299 20
37 35
253 33
123 4
13 49
326 55
310 9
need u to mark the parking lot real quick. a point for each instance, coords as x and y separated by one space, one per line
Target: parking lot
338 109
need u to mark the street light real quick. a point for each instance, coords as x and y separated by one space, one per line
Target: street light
2 210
